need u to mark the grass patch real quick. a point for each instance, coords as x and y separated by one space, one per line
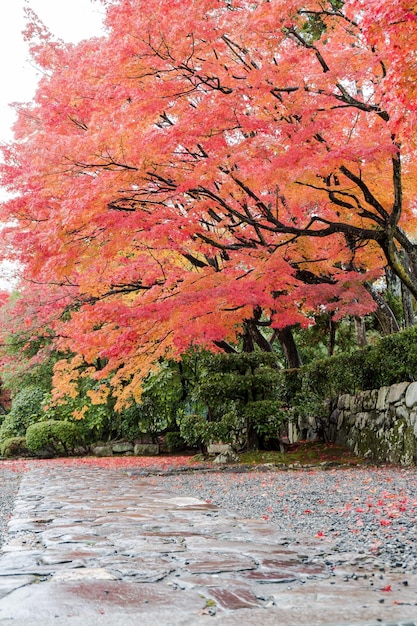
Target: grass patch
304 453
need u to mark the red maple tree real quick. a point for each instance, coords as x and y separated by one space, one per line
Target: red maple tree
210 169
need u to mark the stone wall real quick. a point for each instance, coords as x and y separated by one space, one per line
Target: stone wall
380 424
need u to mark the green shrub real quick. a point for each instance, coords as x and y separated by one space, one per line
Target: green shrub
53 437
27 408
174 441
246 393
156 411
240 394
14 446
266 417
196 430
393 359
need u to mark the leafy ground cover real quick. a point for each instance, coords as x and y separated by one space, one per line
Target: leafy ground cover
302 453
114 462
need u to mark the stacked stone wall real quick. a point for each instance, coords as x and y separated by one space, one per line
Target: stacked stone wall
380 424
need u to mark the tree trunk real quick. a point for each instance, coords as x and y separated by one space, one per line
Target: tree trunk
399 289
360 331
247 339
393 282
226 347
289 346
384 314
252 438
408 311
403 263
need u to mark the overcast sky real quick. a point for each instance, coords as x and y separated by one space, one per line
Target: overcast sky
71 20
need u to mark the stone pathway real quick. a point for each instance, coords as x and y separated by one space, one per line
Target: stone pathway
92 546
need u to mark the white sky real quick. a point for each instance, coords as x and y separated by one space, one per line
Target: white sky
71 20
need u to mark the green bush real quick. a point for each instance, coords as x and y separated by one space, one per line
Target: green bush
54 437
174 441
248 398
393 359
196 430
266 418
160 401
27 408
242 400
14 446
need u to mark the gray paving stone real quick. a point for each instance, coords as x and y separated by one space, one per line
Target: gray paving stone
87 549
10 583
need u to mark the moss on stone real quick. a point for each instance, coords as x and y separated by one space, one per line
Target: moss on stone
403 443
394 445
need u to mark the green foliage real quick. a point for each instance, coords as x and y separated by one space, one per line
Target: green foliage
244 393
314 342
128 423
54 437
235 398
238 362
266 417
395 304
141 418
240 393
315 27
27 408
391 360
174 441
13 446
97 420
160 402
196 430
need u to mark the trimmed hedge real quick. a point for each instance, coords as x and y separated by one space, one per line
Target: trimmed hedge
14 446
393 359
243 395
53 437
246 391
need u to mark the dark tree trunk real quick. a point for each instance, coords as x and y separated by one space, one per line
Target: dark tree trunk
408 310
252 438
384 314
289 346
360 332
261 341
247 339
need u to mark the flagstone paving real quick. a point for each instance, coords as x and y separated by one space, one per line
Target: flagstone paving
93 546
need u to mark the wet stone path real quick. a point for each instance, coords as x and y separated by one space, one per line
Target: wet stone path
88 545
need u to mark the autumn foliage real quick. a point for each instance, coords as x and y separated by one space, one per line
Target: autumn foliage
207 169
